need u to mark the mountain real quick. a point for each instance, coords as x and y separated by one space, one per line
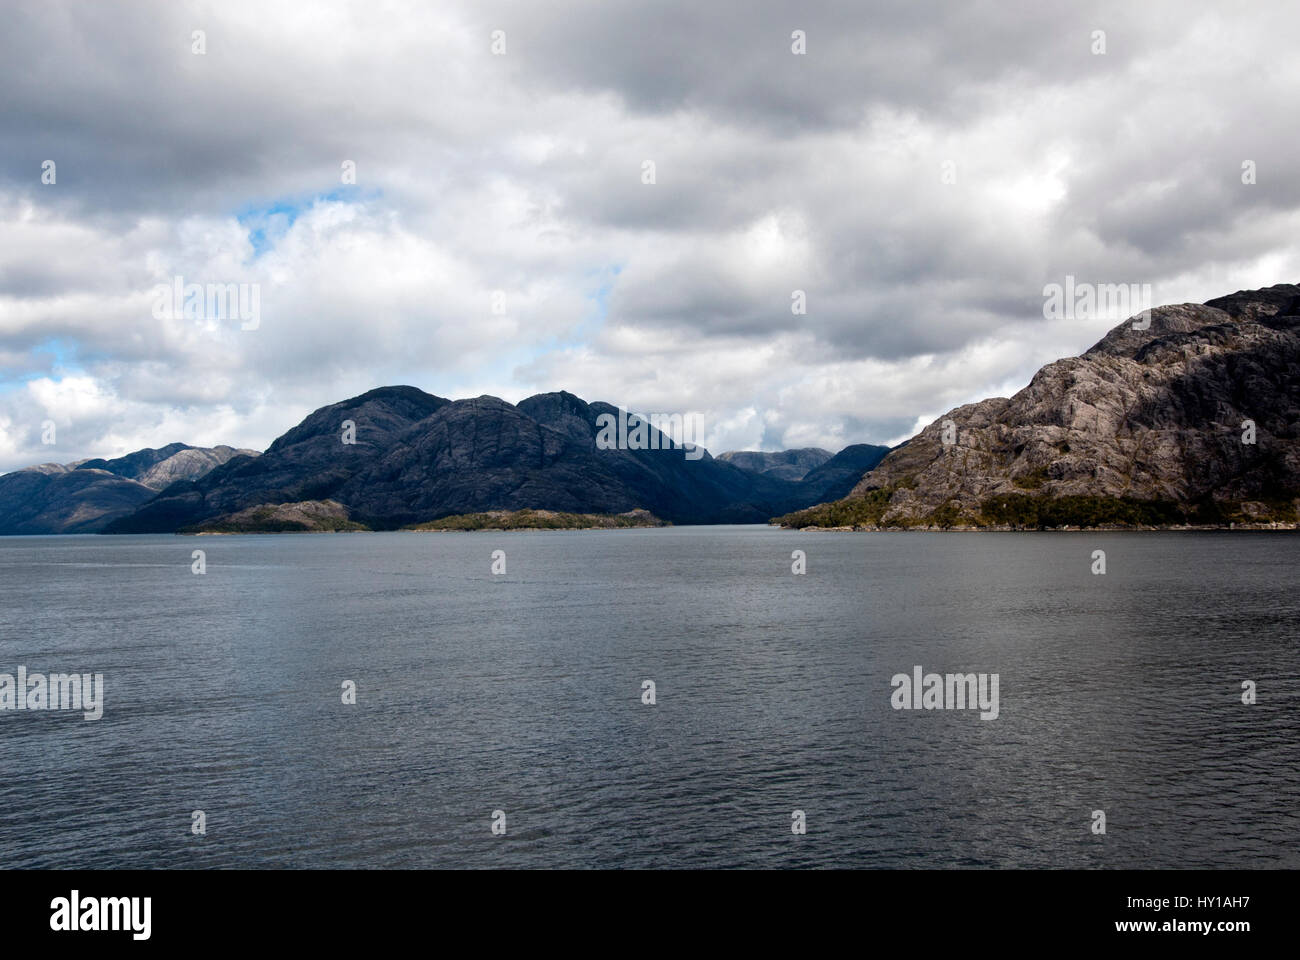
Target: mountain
160 468
840 474
133 466
309 462
418 458
820 475
1148 427
783 464
85 496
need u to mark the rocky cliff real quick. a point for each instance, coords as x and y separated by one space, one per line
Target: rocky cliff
1194 420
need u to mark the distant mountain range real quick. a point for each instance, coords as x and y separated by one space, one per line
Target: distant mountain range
784 464
1194 420
417 458
85 496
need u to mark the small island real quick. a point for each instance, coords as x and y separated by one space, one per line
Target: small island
539 520
306 516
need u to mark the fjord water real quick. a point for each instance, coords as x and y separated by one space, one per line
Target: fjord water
522 693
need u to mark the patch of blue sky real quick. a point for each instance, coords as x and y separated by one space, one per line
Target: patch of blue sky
268 221
56 357
601 284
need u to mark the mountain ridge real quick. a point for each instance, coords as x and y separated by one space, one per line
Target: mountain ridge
1192 421
397 456
86 495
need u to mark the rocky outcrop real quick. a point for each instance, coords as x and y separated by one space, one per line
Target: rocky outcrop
189 464
135 465
309 516
1148 427
500 520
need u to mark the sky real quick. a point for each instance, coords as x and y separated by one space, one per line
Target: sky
920 172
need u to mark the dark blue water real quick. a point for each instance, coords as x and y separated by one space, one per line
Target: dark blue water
522 693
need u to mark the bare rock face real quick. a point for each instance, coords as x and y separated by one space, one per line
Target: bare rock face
161 467
189 464
1157 421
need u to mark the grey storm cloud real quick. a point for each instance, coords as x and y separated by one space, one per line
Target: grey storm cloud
920 173
732 60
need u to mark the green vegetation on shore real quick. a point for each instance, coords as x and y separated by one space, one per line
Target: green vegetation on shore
863 511
1019 511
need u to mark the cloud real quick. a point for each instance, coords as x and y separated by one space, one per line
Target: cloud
920 174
